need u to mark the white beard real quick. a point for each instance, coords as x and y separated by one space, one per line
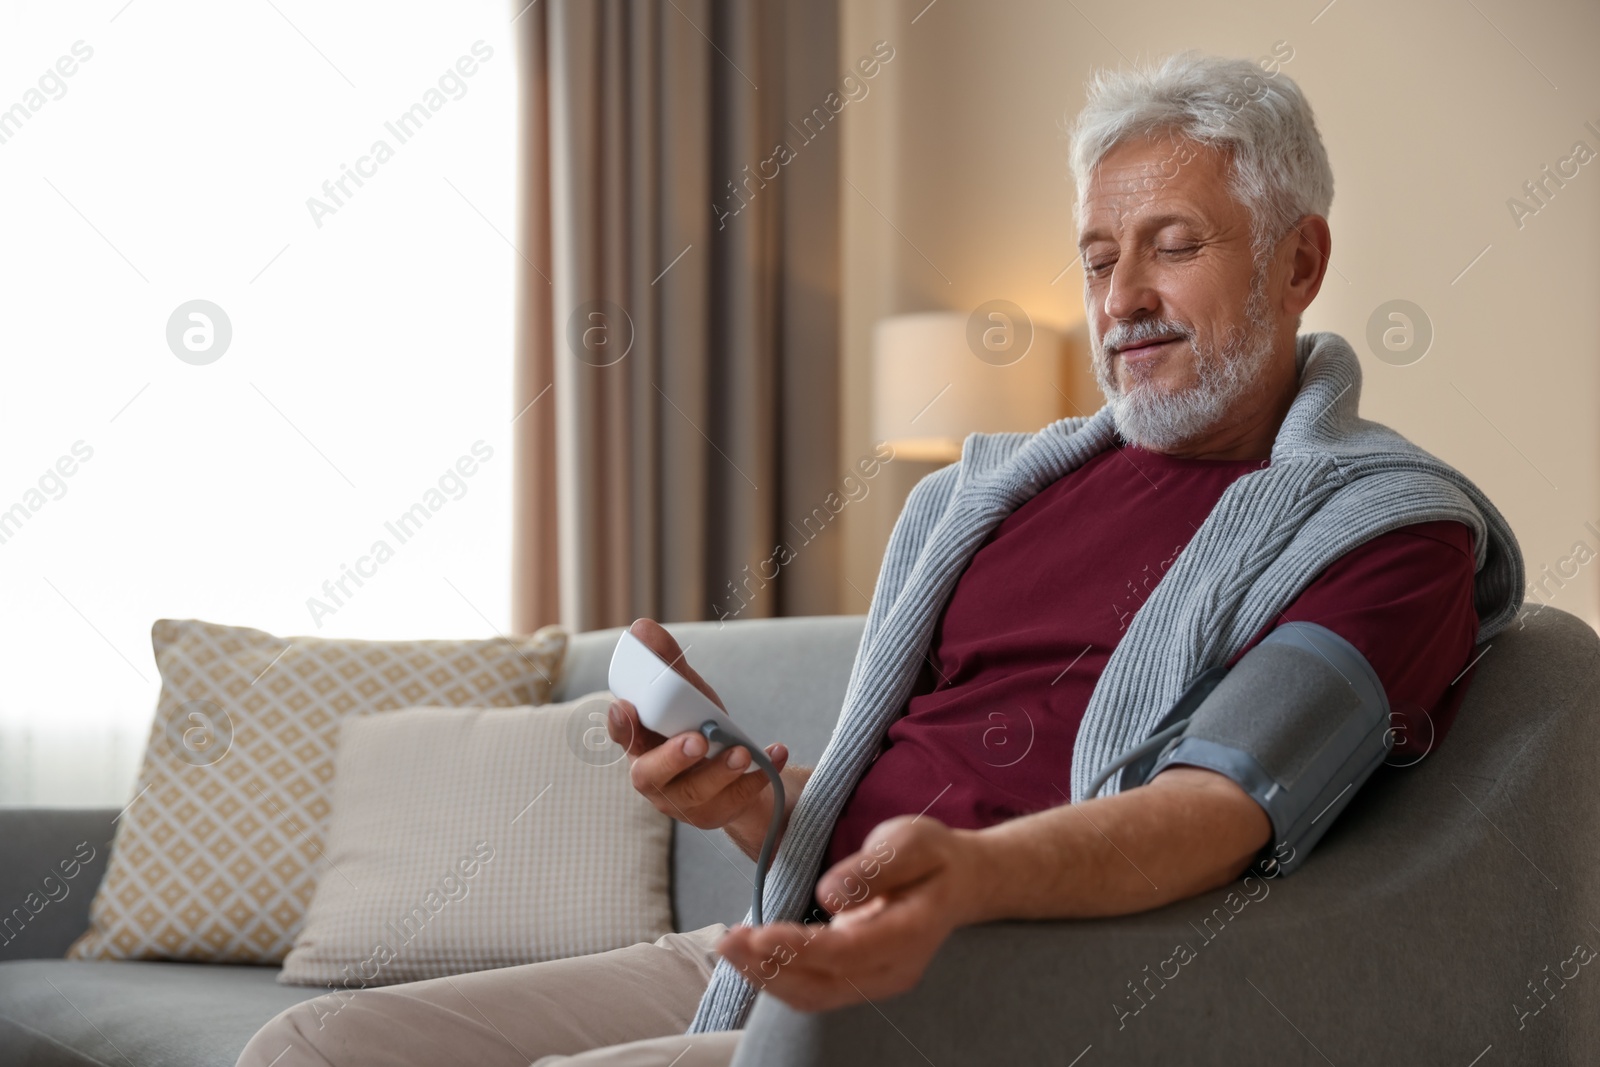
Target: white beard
1156 419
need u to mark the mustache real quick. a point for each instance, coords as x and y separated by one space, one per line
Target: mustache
1127 334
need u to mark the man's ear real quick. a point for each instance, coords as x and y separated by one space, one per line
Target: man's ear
1312 244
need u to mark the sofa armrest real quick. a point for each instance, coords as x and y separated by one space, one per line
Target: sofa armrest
1039 992
51 862
1194 984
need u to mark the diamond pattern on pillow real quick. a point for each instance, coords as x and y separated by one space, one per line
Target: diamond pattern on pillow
218 855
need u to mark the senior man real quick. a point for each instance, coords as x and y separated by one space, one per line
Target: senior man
1076 579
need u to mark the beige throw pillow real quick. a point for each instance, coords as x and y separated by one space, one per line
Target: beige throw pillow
469 839
217 856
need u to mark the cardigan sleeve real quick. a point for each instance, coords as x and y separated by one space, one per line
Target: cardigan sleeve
924 505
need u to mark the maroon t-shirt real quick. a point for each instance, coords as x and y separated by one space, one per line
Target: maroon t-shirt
988 731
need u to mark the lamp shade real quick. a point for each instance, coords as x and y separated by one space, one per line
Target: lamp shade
940 375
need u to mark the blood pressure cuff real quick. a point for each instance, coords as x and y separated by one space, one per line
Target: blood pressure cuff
1300 722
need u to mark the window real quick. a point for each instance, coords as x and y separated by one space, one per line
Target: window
336 185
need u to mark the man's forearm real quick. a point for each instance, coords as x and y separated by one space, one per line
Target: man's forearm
1188 831
750 828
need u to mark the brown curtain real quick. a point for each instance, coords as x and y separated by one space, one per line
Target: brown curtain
676 395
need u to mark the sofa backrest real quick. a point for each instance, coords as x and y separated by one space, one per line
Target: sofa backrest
783 680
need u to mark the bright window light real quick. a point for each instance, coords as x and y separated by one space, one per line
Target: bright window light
329 190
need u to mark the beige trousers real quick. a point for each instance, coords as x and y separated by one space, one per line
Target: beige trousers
624 1008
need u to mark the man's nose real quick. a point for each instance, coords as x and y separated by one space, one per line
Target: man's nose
1131 295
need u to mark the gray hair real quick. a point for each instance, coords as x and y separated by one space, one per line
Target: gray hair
1279 167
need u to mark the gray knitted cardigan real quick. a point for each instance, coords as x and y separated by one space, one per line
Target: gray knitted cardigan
1334 481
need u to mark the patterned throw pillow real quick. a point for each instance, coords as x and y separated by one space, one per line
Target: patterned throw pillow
464 839
218 854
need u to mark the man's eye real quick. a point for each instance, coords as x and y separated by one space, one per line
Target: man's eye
1177 251
1098 270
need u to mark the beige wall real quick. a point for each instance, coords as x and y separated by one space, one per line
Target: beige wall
1432 119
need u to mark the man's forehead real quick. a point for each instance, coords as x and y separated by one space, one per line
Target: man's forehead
1134 168
1161 178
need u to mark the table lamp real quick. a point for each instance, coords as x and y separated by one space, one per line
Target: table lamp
940 375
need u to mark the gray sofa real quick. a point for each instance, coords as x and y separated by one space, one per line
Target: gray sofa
1415 934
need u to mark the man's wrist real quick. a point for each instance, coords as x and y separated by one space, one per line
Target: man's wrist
1035 867
749 827
981 863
